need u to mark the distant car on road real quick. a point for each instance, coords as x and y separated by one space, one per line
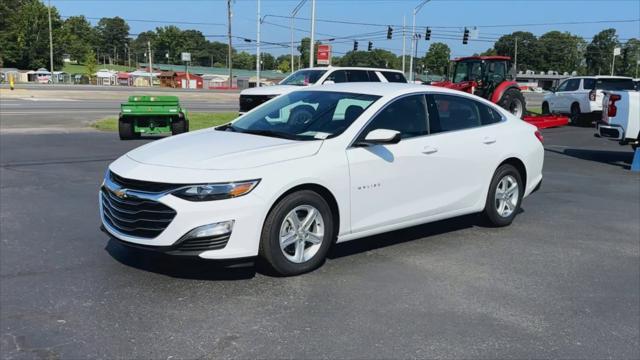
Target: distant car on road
321 165
251 98
581 97
620 117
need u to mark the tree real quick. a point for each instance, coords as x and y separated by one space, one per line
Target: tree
90 63
437 58
24 34
284 66
528 49
194 42
630 58
139 46
167 46
599 52
113 34
561 51
268 61
376 58
78 37
243 60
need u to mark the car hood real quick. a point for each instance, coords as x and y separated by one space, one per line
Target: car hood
212 149
270 90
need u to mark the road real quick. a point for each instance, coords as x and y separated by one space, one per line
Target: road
561 282
62 113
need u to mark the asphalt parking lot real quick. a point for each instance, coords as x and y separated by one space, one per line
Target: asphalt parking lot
562 282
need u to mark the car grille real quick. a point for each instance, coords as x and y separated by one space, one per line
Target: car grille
139 185
135 217
203 244
248 102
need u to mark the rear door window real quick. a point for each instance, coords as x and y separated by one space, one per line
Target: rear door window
589 84
614 84
450 113
338 76
358 76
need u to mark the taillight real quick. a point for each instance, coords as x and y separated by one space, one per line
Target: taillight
539 136
592 95
612 110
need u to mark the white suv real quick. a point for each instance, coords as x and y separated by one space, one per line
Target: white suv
251 98
581 97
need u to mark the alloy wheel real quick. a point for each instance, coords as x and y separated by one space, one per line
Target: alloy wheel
506 196
301 234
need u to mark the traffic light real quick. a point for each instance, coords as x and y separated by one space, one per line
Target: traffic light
389 32
355 46
427 35
370 46
465 37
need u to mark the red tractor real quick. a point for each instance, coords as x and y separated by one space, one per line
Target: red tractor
490 77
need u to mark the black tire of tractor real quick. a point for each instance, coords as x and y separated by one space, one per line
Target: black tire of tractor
510 99
126 130
179 126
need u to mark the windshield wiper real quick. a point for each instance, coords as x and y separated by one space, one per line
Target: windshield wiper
227 127
271 133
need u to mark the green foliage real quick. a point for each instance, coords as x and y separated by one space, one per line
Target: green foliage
284 66
197 121
376 58
600 51
630 56
90 63
113 34
24 34
244 60
528 49
437 58
78 37
561 51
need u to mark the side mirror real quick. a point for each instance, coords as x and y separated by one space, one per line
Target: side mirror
329 82
381 137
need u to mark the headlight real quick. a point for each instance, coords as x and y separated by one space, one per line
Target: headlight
208 192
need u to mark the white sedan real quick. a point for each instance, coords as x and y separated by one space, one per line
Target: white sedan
318 166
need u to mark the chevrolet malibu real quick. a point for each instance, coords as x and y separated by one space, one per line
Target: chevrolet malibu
321 166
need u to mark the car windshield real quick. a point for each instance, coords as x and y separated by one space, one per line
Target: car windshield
615 84
467 71
303 77
304 115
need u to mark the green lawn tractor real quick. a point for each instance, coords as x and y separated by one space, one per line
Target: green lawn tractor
151 115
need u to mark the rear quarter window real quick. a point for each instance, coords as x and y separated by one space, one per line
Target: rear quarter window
392 76
615 84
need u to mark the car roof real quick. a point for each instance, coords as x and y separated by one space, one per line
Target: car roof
600 77
351 68
379 88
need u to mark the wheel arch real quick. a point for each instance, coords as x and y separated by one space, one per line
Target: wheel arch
324 192
501 89
519 165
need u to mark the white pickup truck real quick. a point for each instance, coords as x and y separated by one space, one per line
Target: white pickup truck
620 117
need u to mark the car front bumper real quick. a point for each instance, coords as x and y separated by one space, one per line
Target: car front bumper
241 241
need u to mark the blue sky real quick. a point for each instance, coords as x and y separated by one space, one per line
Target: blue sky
447 17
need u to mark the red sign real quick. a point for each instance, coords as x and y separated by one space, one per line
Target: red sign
324 54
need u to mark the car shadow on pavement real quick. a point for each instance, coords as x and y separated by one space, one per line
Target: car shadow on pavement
404 235
622 159
183 267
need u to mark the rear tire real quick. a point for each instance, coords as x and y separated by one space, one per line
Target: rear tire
513 101
545 108
179 126
281 241
503 198
577 118
126 130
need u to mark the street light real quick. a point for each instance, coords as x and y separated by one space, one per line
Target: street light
293 15
414 40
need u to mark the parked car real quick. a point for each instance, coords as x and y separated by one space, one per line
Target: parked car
621 117
581 97
250 98
322 165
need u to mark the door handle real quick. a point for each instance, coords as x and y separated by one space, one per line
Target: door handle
429 150
489 140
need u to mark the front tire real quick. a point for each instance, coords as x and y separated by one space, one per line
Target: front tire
545 108
297 233
504 197
513 101
179 126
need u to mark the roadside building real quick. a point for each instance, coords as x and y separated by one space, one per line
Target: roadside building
543 80
215 81
168 79
190 81
60 77
124 79
41 76
106 77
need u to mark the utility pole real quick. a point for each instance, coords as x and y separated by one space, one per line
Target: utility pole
229 35
50 41
404 43
515 58
150 65
258 49
293 16
313 34
414 38
637 62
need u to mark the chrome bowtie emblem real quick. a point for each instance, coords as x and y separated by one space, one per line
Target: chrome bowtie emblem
121 193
